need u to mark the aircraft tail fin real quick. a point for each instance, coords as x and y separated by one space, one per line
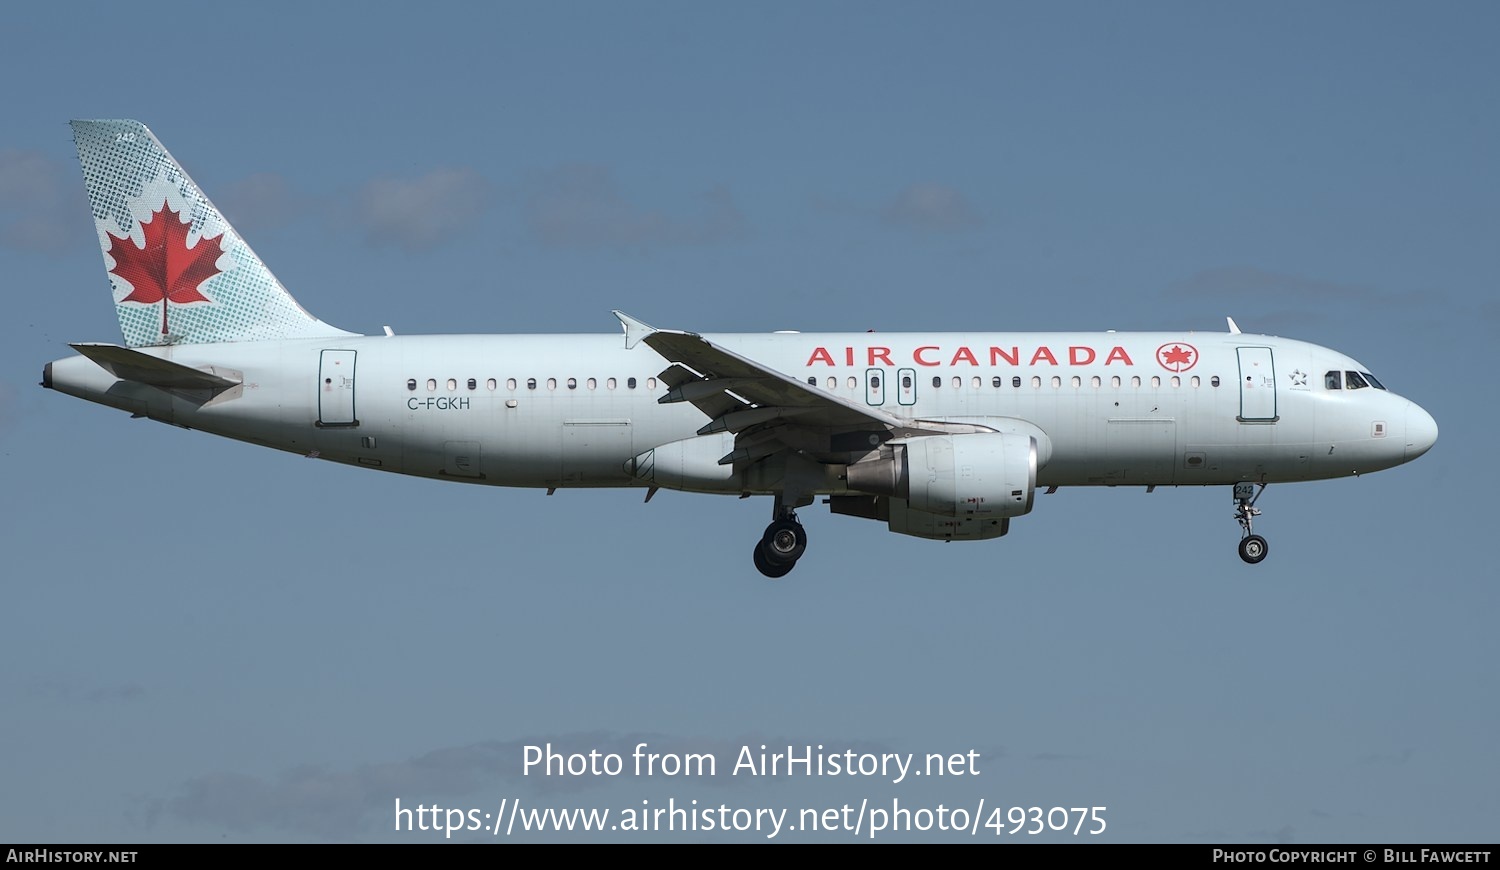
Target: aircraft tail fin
180 273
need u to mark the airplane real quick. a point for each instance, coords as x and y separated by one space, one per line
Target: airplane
944 436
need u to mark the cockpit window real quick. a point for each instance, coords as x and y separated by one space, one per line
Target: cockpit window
1354 380
1333 381
1374 383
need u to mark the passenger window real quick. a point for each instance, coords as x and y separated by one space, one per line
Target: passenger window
593 384
1155 382
1196 383
997 382
431 385
452 384
1331 381
1016 382
630 382
474 385
531 383
552 383
812 381
1056 382
905 382
1213 381
510 384
875 382
936 382
1176 381
1036 383
1136 382
977 383
833 383
572 383
411 383
1096 382
1115 382
650 383
958 382
610 383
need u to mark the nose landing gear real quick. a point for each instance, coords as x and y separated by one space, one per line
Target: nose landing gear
1253 547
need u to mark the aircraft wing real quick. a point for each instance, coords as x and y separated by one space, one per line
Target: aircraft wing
755 387
768 411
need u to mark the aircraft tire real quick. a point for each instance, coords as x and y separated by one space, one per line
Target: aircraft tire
784 541
771 569
1253 549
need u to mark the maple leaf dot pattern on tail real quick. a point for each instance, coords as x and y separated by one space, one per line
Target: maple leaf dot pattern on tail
1177 356
165 269
128 174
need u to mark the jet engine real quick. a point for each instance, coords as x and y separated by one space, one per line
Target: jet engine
978 476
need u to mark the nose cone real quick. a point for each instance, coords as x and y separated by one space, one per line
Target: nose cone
1421 431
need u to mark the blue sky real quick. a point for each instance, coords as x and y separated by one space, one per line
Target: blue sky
207 641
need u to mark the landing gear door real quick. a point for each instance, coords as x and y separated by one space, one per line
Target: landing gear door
336 389
1257 386
875 386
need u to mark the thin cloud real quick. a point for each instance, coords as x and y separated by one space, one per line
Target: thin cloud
34 209
325 803
27 178
1250 282
54 690
1279 303
421 213
322 802
579 205
930 207
262 201
1057 756
1490 311
1387 758
10 406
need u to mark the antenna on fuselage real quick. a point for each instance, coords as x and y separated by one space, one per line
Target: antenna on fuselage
1234 328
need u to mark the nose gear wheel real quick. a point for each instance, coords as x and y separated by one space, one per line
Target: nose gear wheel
1253 547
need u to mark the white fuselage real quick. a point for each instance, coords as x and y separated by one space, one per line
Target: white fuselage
574 410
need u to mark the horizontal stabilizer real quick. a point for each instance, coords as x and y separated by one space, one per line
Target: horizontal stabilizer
133 365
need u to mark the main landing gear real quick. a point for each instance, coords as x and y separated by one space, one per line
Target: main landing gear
781 546
1253 548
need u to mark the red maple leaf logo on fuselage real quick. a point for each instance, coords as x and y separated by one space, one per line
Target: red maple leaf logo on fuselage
166 269
1177 357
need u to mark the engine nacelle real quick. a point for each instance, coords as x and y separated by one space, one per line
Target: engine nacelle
980 475
903 519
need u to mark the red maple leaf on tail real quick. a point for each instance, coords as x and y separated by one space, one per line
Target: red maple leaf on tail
166 269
